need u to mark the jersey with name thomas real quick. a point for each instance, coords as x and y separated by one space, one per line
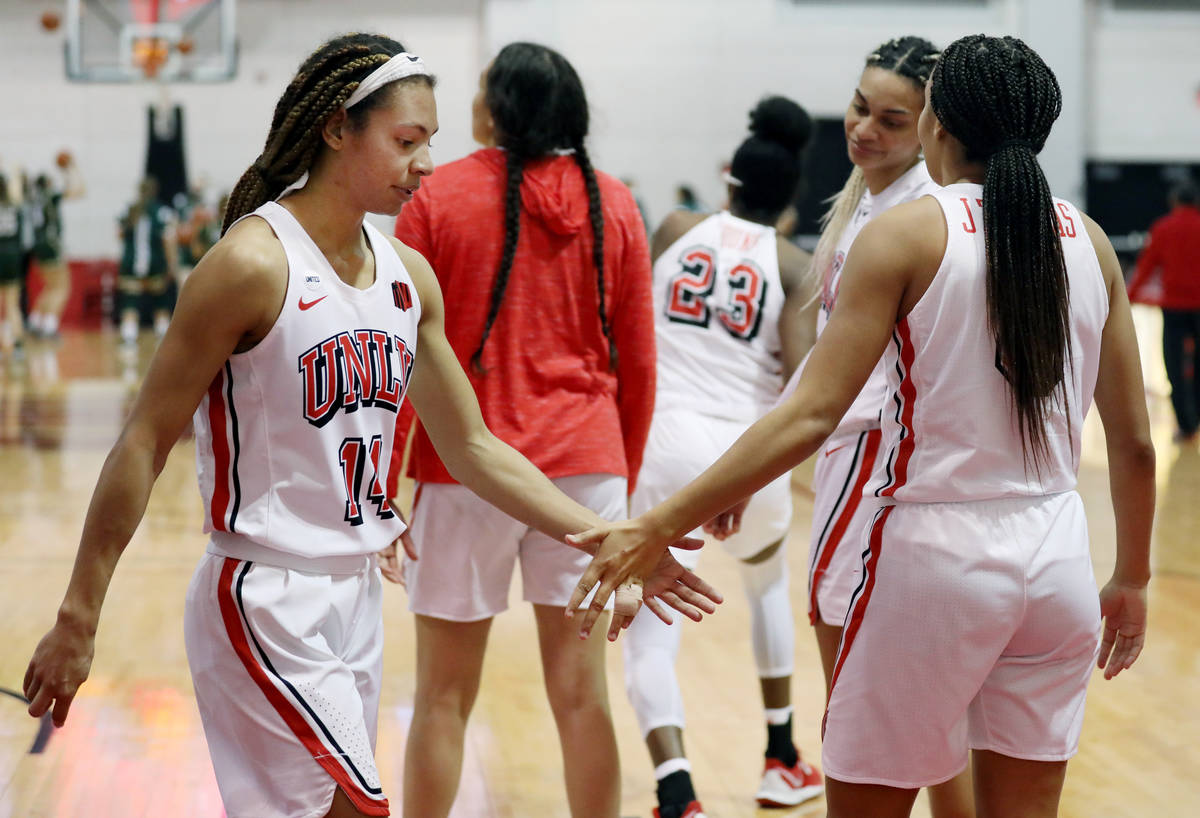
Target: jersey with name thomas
717 301
294 437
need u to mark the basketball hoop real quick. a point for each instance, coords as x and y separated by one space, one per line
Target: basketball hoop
150 40
150 54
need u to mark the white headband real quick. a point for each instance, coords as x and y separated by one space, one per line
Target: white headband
397 68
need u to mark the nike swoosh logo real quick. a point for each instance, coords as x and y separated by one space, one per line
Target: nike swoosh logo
308 305
835 448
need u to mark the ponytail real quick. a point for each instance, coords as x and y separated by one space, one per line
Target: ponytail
998 98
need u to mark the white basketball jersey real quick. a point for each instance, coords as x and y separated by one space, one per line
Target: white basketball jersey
864 411
950 431
294 436
717 300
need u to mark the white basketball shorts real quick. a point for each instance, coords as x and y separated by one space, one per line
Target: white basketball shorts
682 444
841 515
286 666
467 549
975 626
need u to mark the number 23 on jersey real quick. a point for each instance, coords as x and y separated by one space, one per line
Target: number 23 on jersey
690 293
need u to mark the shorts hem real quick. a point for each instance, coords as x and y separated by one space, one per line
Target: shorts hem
454 617
1063 755
924 781
654 725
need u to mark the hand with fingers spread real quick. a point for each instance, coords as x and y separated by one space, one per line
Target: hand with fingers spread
1123 607
626 553
728 522
60 664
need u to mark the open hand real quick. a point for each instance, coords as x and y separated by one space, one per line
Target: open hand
60 664
624 554
1124 610
728 522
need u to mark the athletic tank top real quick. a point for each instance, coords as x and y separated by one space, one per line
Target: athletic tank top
294 436
949 430
717 300
915 183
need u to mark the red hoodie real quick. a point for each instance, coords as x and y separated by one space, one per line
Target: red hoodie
547 391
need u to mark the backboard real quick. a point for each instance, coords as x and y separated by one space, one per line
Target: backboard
159 40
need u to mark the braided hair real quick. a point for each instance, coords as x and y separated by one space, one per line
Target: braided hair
912 58
538 105
767 165
320 88
998 98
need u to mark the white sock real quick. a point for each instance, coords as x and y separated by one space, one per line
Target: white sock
129 329
49 324
778 715
671 765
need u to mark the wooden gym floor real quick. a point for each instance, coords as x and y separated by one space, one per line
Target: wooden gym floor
134 746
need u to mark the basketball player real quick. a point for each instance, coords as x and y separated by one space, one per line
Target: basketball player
734 311
1003 312
46 312
11 256
149 257
294 343
882 143
543 264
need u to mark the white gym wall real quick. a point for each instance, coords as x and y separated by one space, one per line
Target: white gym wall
669 81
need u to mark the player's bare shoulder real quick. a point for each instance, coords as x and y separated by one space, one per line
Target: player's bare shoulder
249 254
672 228
916 230
1110 265
244 277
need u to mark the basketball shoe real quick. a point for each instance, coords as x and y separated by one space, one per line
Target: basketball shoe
692 810
788 786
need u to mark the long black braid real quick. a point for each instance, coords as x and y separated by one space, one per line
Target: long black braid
999 98
596 215
321 86
537 102
512 232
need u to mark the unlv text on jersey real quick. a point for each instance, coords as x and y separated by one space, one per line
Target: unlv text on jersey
363 367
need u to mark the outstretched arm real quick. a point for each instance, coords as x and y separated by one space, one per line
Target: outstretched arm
1121 402
890 252
498 473
208 325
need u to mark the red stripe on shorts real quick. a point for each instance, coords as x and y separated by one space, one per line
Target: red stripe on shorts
908 393
217 422
286 710
866 467
859 608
